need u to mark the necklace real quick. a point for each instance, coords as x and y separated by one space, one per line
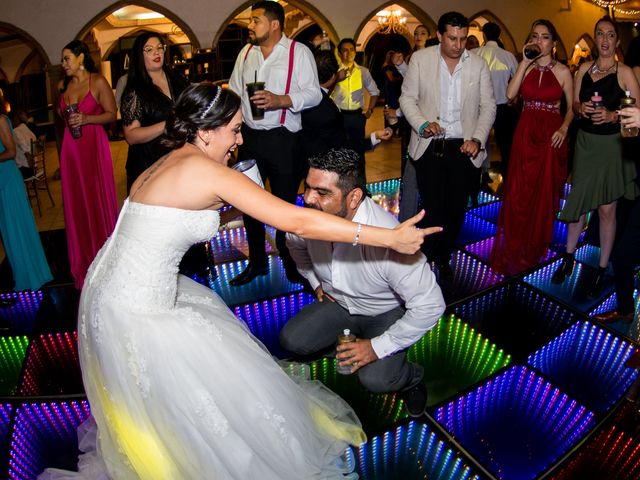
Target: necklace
547 67
596 69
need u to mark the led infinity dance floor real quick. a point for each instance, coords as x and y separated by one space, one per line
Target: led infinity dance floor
523 384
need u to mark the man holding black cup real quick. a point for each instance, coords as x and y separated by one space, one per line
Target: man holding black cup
447 98
276 79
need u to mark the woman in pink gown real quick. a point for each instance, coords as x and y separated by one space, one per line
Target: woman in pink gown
538 166
88 185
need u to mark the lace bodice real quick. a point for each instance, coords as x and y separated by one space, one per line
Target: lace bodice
138 265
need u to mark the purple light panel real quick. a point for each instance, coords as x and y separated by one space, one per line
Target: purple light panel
22 315
471 275
266 319
588 363
517 423
44 435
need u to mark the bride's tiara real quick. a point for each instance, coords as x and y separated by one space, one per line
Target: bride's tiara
211 103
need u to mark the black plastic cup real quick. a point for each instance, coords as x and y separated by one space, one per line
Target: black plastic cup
256 112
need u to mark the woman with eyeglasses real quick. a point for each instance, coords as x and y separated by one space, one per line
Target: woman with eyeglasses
152 88
88 184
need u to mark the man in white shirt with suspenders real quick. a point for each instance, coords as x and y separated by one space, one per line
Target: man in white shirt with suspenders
289 73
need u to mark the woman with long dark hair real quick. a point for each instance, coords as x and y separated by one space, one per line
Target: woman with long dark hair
601 173
538 160
178 387
152 88
86 169
17 227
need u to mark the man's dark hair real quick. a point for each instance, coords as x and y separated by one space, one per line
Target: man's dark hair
453 19
492 31
272 10
344 41
327 65
347 164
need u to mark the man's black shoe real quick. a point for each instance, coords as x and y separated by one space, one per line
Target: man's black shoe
249 274
415 400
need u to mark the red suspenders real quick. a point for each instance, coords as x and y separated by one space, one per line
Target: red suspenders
283 116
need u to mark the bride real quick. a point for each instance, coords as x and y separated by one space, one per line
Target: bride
178 387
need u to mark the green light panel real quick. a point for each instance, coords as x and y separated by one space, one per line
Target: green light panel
454 357
12 353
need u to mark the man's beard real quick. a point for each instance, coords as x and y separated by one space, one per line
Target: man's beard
342 213
257 41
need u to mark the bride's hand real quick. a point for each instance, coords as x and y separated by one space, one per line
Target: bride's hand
407 238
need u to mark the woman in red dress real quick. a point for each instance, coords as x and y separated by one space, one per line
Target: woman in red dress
539 156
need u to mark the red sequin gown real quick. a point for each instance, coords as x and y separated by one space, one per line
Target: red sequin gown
537 172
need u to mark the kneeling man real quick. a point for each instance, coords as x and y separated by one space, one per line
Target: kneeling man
387 299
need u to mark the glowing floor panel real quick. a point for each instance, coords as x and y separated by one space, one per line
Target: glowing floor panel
44 435
516 318
588 363
517 423
455 357
411 451
574 289
612 454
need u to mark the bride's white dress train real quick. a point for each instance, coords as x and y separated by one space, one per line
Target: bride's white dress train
178 386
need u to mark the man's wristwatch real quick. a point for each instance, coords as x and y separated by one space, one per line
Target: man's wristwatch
477 142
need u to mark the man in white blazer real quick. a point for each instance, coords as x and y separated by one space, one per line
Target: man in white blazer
447 98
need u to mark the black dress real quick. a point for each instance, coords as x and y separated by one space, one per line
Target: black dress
149 106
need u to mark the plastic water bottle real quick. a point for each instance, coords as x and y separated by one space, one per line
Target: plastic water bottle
627 101
345 337
596 100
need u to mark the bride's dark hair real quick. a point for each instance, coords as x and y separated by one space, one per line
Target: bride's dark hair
202 106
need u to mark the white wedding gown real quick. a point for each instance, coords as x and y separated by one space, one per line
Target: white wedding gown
178 386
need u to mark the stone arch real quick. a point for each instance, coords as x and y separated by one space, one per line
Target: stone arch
507 39
146 4
422 17
32 41
584 46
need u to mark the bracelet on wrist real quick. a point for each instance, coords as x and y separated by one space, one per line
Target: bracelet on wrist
422 128
357 238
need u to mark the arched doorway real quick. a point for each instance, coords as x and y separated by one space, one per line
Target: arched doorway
24 66
582 51
390 27
477 21
111 32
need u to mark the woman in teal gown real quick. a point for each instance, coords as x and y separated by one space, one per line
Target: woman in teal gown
17 226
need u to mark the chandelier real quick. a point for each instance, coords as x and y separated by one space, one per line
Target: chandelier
391 21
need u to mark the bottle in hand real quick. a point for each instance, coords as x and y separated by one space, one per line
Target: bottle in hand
345 337
627 101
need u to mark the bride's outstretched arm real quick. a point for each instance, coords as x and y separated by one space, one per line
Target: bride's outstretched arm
239 191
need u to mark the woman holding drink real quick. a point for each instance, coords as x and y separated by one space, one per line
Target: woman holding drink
538 165
601 174
88 185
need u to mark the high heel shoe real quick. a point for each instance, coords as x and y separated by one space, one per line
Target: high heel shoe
565 269
596 284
